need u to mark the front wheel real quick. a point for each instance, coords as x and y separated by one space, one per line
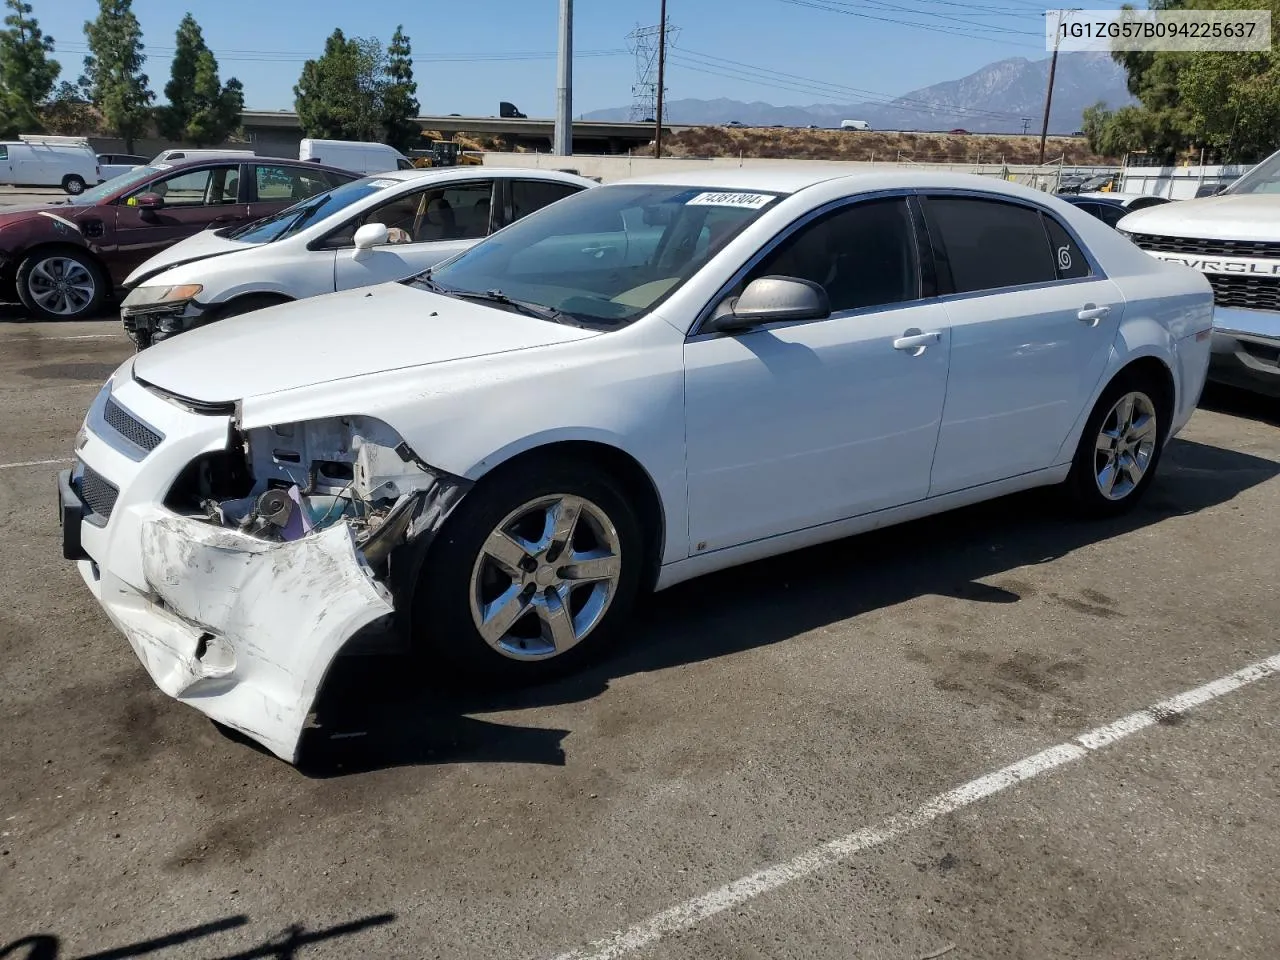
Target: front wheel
534 574
61 285
1119 448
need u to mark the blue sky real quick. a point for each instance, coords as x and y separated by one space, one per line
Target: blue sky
778 51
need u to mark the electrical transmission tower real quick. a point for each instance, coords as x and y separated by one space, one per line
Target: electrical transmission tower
643 42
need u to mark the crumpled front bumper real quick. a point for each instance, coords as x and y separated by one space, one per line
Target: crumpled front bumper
242 629
150 324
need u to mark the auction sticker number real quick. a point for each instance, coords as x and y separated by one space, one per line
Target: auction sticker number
747 201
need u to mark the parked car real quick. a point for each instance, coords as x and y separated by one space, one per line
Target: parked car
1111 208
639 384
188 153
113 164
64 258
367 231
66 162
1232 237
357 156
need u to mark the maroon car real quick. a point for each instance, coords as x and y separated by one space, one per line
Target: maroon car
64 258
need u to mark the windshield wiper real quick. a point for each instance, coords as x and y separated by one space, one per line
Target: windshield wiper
498 297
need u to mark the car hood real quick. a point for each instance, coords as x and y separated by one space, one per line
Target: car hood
25 211
1226 217
336 336
199 246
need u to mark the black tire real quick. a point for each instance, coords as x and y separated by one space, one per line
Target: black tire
1082 486
445 632
43 263
74 184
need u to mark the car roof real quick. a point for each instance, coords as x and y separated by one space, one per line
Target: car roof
246 158
788 177
445 173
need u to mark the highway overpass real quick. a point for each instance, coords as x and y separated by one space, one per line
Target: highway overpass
278 129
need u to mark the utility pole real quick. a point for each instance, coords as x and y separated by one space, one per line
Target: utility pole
662 69
1048 97
564 84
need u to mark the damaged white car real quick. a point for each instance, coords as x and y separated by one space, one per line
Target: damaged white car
637 385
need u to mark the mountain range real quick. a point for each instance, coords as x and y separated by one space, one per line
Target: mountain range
995 99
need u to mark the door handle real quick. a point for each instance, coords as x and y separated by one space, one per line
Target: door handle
227 218
1091 314
915 341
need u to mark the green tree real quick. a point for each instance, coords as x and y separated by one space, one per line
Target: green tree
69 111
201 110
113 77
27 74
339 95
399 103
1226 102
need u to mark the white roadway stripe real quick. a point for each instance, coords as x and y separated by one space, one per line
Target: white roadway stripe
34 463
692 912
90 336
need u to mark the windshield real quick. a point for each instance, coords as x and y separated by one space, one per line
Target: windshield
310 211
1263 178
605 255
104 190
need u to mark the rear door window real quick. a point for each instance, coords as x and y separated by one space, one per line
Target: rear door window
530 195
276 183
988 244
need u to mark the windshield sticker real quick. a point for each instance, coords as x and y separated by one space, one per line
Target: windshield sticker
746 201
382 183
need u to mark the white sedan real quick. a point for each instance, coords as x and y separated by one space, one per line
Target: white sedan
379 228
639 384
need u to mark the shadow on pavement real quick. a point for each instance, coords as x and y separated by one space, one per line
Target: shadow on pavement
284 947
380 711
1241 403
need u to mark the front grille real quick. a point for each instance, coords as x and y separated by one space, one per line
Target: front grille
130 427
98 493
1266 249
1250 293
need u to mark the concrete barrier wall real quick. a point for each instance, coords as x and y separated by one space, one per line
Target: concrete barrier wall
609 168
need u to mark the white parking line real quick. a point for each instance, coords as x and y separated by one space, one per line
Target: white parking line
90 336
34 463
692 912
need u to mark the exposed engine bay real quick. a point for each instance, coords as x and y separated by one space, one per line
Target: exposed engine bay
286 482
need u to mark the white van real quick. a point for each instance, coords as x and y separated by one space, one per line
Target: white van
354 155
66 162
854 125
183 153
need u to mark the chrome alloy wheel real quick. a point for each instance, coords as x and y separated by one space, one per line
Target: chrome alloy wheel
1125 445
61 285
545 577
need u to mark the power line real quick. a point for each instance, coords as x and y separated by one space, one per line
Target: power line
297 56
826 5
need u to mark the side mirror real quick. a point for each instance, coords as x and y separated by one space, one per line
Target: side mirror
770 299
149 203
370 235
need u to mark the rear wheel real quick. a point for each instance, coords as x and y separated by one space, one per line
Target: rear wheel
61 285
1120 447
533 575
73 184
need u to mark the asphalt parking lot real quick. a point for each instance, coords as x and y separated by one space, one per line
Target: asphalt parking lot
864 692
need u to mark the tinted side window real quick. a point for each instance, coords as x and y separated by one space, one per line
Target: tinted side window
863 255
988 244
4 153
1067 255
530 195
